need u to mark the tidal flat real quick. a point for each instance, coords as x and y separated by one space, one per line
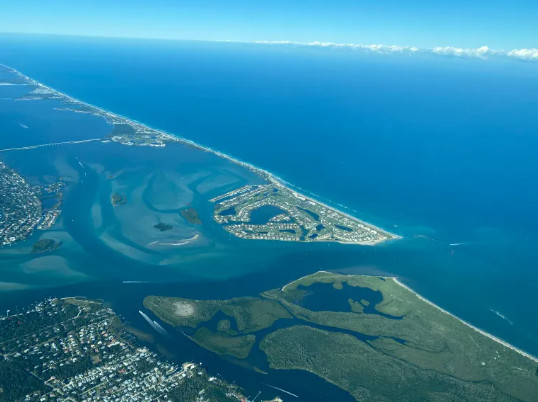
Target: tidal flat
121 178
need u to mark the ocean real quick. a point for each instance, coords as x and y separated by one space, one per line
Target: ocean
439 150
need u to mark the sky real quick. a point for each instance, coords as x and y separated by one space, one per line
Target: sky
498 24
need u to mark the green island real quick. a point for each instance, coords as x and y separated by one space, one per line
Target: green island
371 336
248 314
221 343
163 227
44 245
191 215
118 199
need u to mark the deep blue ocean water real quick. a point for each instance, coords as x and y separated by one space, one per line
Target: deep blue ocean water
439 150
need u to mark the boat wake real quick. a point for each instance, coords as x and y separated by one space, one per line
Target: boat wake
174 243
282 390
154 324
501 315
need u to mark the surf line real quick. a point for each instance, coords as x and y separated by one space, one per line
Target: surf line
494 338
52 144
280 389
107 115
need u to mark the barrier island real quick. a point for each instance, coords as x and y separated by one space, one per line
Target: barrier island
268 211
275 212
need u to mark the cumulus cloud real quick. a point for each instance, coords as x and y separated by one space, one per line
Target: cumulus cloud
525 54
378 48
460 52
481 52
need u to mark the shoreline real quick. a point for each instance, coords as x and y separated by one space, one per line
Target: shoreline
264 174
480 331
419 296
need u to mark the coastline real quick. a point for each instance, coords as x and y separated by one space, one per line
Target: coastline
264 174
422 298
176 138
480 331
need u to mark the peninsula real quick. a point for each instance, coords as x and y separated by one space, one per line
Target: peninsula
369 335
21 207
289 216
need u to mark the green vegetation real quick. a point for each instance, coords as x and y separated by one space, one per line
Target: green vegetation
238 346
191 215
118 199
122 129
15 382
163 227
45 355
250 314
13 328
225 326
395 345
356 307
366 374
338 285
198 385
44 245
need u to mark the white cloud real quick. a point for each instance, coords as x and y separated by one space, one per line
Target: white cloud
378 48
389 48
525 54
481 52
457 51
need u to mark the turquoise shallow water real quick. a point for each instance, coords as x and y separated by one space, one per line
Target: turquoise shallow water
441 151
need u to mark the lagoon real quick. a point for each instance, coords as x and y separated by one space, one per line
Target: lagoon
366 133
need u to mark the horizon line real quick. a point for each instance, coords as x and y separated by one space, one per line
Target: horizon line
482 52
